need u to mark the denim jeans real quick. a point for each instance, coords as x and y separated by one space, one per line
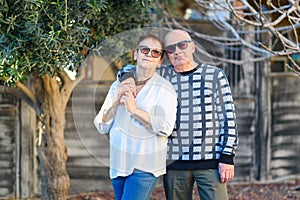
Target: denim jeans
179 184
137 186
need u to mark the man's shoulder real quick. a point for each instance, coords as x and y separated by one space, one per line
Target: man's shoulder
166 67
165 70
210 68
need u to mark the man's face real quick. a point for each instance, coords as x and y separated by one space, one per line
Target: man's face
179 48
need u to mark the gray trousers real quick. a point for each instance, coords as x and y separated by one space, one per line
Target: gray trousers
179 184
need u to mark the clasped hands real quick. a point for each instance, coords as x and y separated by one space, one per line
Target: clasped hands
127 93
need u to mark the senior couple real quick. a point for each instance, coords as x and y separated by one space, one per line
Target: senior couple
175 121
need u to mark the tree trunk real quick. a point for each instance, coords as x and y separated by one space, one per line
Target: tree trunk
52 151
55 181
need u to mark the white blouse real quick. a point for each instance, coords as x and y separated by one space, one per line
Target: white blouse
132 146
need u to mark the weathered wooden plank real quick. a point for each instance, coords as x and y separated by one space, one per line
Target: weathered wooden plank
244 159
285 136
8 111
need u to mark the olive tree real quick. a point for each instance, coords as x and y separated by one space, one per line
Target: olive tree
39 41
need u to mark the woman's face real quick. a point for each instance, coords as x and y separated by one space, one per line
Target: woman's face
148 54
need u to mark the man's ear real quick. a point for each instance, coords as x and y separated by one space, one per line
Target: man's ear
193 46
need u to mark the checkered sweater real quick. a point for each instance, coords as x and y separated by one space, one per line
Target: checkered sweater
205 131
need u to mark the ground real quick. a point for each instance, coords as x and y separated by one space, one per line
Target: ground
288 189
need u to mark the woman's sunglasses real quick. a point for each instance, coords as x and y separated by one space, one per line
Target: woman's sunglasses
181 45
154 53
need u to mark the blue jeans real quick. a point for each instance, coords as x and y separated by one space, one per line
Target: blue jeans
137 186
179 184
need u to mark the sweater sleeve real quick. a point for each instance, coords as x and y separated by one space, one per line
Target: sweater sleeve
126 72
229 132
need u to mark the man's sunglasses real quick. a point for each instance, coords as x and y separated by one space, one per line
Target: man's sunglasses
181 45
154 53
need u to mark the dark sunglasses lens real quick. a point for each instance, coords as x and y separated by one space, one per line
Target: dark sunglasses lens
144 50
155 53
182 45
171 48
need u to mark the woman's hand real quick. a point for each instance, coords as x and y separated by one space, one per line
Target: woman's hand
128 100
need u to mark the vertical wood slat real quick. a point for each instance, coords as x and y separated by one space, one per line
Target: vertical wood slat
244 164
8 158
285 138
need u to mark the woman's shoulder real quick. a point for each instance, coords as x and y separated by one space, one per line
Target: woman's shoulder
163 82
159 78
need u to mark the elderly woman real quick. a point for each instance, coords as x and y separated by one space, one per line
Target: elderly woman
139 122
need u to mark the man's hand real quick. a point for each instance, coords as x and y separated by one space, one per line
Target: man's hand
127 85
226 172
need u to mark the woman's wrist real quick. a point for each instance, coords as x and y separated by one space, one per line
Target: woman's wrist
134 111
142 117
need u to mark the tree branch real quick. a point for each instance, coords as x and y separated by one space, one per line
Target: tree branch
82 71
24 93
68 85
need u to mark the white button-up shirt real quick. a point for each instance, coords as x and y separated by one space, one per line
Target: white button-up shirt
132 146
